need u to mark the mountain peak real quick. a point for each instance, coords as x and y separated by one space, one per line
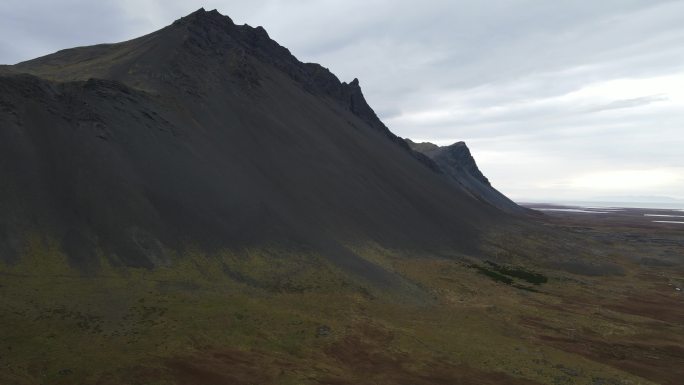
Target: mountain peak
456 161
203 16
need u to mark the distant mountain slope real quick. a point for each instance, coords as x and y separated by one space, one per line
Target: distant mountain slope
210 134
457 162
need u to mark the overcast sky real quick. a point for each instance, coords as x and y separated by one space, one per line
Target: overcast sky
556 99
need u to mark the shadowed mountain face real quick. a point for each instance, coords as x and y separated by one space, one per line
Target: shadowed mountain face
457 162
210 134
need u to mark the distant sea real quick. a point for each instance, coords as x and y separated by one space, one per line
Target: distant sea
674 205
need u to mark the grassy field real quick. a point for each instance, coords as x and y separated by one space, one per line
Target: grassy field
270 317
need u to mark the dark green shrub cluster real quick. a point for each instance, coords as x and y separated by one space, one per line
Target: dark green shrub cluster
506 275
493 275
519 272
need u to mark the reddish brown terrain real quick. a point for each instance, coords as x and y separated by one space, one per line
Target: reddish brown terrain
640 307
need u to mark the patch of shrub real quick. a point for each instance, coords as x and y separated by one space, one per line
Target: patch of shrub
519 272
493 275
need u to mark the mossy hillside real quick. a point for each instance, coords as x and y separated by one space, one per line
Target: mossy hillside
62 325
53 310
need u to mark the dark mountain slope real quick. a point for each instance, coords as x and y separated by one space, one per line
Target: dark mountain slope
457 162
207 133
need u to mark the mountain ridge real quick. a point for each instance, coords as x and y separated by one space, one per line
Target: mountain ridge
458 163
201 32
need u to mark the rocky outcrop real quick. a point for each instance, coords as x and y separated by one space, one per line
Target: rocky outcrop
457 163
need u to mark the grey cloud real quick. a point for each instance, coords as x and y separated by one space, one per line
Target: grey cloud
628 103
37 28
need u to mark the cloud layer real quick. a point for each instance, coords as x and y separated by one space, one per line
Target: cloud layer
557 99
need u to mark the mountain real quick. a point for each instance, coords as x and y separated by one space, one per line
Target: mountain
196 206
457 163
209 134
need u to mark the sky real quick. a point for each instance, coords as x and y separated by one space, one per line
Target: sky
557 100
